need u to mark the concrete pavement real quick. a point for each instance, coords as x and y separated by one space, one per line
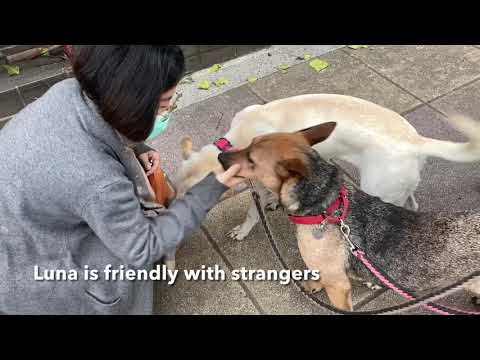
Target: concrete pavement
420 82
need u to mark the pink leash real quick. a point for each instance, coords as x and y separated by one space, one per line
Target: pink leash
360 255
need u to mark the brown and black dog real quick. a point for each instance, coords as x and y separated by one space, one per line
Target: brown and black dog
419 251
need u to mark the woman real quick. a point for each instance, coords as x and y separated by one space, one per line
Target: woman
66 200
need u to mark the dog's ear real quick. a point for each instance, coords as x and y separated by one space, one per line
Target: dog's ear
187 147
291 167
319 133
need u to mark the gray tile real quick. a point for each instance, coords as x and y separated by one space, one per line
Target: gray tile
31 71
204 122
193 63
464 101
215 56
344 76
206 48
201 297
445 185
301 50
55 79
190 50
255 253
428 71
241 50
389 299
10 103
32 92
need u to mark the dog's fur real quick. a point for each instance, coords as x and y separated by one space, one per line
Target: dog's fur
386 149
419 251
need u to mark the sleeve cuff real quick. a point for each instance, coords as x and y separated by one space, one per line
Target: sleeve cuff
209 191
142 148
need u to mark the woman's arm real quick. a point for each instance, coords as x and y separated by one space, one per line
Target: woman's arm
115 215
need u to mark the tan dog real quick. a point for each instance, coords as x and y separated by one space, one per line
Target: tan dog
386 149
420 251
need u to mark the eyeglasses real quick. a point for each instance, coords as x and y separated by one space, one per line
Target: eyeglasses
174 102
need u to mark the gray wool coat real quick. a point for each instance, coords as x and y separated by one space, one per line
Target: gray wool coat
67 201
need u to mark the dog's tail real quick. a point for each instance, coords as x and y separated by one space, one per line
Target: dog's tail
458 152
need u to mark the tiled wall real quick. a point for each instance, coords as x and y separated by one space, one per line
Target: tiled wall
203 56
197 57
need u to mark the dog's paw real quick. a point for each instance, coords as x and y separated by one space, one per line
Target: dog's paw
272 206
372 286
238 233
312 287
272 202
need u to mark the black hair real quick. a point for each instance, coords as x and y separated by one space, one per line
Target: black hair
126 82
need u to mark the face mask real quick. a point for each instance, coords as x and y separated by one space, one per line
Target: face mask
161 124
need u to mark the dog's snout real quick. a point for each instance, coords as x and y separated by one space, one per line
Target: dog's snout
223 158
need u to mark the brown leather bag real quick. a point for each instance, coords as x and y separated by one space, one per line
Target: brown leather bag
163 189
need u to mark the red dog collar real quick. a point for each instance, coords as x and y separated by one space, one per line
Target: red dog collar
223 144
327 215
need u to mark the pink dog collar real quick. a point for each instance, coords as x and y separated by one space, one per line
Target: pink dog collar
223 144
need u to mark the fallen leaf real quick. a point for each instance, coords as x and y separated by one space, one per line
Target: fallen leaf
204 85
215 68
252 79
12 70
44 52
319 65
305 56
355 47
220 82
283 68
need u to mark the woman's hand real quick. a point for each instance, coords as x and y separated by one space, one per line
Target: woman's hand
150 161
228 178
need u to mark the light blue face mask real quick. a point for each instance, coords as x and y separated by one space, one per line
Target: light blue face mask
161 124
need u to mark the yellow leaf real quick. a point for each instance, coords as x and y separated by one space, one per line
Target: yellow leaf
44 52
12 70
252 79
215 68
220 82
204 85
283 68
355 47
307 56
319 65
